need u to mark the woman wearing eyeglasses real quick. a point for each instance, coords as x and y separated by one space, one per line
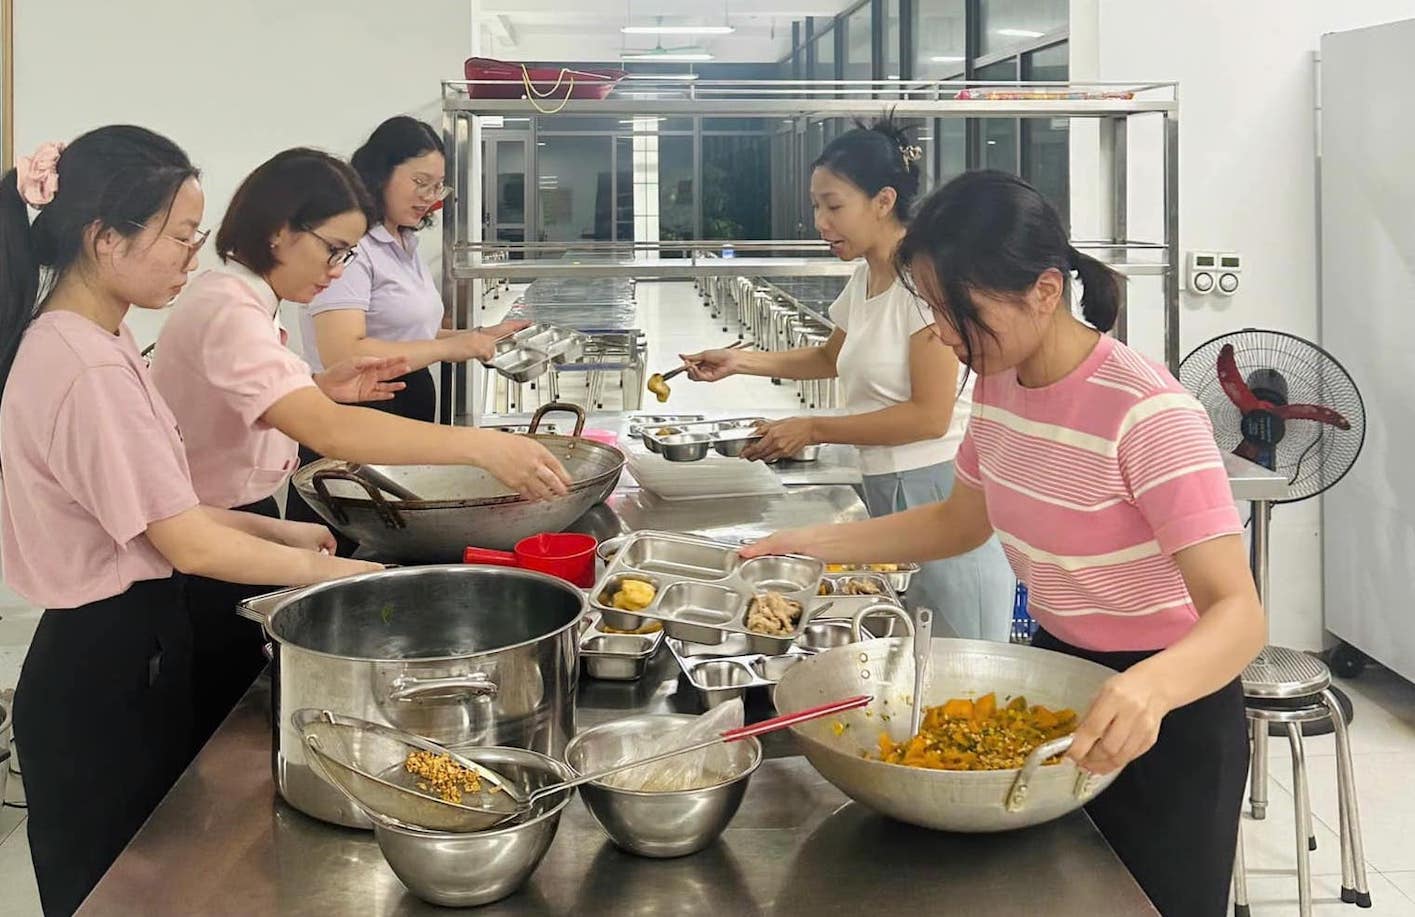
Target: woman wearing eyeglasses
244 401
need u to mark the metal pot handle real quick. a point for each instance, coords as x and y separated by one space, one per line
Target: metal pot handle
562 407
857 623
391 517
1085 782
258 608
411 688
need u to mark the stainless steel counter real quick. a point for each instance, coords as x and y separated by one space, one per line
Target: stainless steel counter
222 843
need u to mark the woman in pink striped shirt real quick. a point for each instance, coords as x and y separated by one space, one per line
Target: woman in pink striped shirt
1100 476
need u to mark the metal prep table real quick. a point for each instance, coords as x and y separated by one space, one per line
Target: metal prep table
223 843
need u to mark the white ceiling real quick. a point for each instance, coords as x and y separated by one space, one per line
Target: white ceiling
588 30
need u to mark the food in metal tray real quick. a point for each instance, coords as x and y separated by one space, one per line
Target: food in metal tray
967 735
872 568
861 586
441 775
633 595
773 614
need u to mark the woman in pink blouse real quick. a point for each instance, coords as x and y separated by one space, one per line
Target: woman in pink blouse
246 402
99 511
1100 476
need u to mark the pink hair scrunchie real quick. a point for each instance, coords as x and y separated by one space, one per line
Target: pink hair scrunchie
37 176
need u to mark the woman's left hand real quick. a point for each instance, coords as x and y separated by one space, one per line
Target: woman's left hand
1122 724
781 439
363 379
306 536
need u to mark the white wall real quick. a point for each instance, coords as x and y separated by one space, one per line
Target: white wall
1247 183
233 83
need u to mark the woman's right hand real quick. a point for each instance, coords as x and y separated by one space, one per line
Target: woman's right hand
522 463
790 541
712 365
469 345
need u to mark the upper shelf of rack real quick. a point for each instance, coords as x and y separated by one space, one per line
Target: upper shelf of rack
643 96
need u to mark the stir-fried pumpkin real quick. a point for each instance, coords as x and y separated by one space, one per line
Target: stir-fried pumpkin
967 735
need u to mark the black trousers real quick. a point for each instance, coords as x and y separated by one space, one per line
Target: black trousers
416 402
103 711
1172 814
228 650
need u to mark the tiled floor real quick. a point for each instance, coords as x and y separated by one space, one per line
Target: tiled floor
1383 734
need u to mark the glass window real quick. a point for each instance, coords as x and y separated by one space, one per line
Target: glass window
999 136
1046 148
1004 24
573 187
891 40
825 50
858 60
940 38
951 135
675 188
737 187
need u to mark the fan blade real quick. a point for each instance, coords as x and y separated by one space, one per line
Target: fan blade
1255 453
1233 385
1316 412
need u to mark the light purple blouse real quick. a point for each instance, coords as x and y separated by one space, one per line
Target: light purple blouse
390 284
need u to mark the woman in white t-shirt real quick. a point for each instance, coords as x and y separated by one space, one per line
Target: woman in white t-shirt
903 406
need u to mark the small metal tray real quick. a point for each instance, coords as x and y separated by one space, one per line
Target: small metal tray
899 579
702 588
721 672
637 424
690 441
617 657
529 353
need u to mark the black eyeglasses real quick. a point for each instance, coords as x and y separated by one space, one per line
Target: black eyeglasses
339 255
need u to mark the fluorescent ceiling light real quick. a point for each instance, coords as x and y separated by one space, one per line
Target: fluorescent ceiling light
1020 33
663 77
682 56
678 30
946 59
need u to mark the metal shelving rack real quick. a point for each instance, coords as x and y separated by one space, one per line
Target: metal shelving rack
469 262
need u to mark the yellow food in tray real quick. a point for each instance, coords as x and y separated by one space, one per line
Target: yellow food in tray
856 568
966 735
633 595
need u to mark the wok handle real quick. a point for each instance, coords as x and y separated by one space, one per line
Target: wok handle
258 608
1017 796
562 407
488 556
411 688
391 517
857 623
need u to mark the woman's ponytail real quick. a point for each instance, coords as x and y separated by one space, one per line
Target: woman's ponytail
19 271
1100 290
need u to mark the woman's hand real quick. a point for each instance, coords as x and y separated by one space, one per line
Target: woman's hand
510 326
781 439
525 465
1122 724
712 365
307 536
363 379
790 541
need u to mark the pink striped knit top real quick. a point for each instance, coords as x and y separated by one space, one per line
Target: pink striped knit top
1093 483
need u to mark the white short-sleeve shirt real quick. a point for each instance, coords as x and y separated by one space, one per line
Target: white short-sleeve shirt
873 370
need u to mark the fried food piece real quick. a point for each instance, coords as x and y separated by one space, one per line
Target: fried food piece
633 595
773 614
861 586
966 735
441 775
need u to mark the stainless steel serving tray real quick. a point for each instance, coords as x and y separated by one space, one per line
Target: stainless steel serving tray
691 441
702 588
530 352
617 657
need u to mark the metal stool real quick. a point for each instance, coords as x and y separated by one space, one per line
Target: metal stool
1324 706
1290 687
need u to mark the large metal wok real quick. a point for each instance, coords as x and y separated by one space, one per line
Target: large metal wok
975 801
459 506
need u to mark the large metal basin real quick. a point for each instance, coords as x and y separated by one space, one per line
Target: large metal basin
459 506
460 655
976 801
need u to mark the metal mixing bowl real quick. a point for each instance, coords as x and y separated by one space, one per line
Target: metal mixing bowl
661 825
467 870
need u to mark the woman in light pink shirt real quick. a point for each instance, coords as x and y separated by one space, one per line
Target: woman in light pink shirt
1101 477
99 510
245 402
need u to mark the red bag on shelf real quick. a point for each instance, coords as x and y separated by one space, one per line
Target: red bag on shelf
496 79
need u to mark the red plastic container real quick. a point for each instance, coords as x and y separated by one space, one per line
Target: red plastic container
509 80
568 555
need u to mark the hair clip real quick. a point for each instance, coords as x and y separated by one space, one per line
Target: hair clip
911 154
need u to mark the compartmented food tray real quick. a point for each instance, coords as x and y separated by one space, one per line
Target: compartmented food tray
614 656
703 591
530 352
690 441
899 576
